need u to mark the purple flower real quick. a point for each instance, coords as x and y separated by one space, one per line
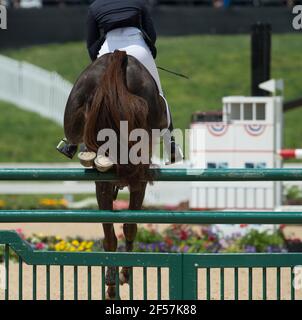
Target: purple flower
174 249
185 249
149 247
250 249
269 249
223 243
141 246
162 247
154 246
273 249
237 235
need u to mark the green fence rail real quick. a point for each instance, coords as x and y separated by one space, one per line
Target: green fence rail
159 175
189 276
160 217
35 258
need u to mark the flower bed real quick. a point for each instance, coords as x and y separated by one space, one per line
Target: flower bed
176 238
207 239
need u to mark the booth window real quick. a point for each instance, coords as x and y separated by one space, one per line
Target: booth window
248 111
219 165
257 165
235 111
260 111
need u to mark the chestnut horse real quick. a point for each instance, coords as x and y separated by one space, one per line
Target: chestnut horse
116 87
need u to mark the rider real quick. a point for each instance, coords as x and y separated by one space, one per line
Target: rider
126 25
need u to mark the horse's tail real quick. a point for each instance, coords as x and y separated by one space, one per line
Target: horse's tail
112 104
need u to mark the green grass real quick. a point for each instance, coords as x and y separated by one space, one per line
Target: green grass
32 201
217 66
27 137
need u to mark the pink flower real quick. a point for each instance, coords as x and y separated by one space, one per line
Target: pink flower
40 246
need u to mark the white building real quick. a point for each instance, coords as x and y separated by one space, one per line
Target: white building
247 134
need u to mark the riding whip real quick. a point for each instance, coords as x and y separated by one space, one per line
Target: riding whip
175 73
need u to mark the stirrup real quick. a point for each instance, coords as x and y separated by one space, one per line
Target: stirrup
67 149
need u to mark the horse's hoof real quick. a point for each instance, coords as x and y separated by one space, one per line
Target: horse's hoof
111 294
124 279
108 297
103 164
86 158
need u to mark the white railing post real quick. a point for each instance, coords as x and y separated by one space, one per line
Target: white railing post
33 88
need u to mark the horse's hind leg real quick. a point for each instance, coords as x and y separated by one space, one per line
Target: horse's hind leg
73 126
74 119
130 230
104 193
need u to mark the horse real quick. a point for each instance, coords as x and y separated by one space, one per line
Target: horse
114 88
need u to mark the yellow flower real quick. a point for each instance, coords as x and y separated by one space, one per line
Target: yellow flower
89 245
2 203
62 246
88 250
58 238
63 202
48 202
75 243
72 249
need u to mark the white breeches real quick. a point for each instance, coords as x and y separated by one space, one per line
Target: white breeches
131 40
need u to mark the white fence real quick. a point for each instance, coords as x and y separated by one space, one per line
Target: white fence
34 89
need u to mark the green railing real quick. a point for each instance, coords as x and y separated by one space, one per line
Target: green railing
35 258
160 217
159 175
175 275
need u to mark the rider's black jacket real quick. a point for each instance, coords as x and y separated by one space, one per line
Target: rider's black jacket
106 15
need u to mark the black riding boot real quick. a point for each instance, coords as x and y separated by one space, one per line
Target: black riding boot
68 149
173 150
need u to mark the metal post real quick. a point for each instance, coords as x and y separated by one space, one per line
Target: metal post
260 57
